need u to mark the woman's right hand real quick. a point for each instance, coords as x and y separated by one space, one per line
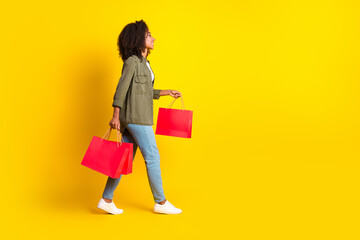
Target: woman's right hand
115 123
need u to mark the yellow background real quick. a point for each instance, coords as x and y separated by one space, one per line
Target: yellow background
274 88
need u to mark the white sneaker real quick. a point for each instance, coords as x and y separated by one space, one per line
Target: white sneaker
166 208
109 207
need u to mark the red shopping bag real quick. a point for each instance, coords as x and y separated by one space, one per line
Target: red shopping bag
109 157
174 122
128 164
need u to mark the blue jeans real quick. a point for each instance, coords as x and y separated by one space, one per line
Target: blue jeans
144 137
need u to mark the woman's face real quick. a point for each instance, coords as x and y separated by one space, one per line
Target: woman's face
149 40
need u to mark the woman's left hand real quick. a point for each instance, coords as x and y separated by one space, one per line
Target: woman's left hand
174 93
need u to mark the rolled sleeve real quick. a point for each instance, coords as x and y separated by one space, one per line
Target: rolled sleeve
124 82
156 93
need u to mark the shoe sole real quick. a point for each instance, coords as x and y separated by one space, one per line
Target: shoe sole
102 208
156 211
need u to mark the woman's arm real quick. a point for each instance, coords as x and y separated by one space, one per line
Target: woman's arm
115 121
121 90
124 82
172 93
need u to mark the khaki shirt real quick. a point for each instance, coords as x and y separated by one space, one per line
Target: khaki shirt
134 93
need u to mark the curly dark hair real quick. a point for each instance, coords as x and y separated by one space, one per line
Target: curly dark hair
131 40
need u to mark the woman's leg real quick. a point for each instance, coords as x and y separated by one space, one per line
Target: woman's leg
112 183
145 138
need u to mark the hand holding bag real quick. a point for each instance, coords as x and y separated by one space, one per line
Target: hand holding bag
109 157
174 122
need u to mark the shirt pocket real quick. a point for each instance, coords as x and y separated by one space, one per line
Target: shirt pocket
141 82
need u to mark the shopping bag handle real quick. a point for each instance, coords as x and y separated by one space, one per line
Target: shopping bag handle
182 103
107 134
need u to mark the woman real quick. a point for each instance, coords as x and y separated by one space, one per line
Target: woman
133 113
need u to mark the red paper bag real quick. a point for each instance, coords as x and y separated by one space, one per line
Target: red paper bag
129 161
174 122
109 157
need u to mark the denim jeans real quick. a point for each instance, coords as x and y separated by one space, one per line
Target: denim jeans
144 137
